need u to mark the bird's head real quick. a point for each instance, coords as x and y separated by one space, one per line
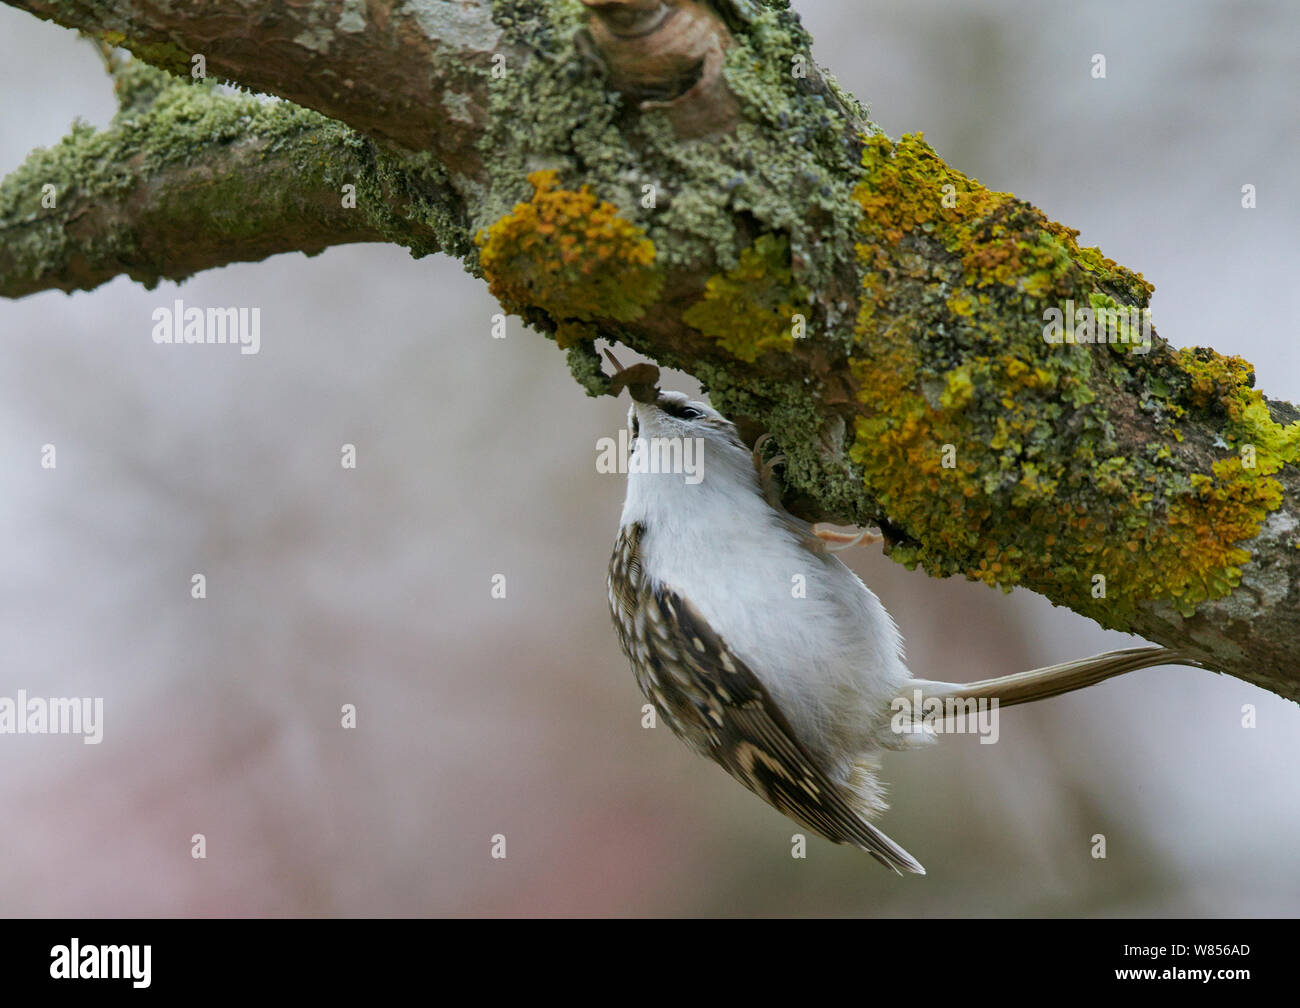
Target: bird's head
659 414
675 414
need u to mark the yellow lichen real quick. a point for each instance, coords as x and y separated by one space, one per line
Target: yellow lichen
755 306
987 444
570 255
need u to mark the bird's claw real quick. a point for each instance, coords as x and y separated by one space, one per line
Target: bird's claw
771 492
838 541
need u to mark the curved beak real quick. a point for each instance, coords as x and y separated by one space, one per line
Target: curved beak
640 380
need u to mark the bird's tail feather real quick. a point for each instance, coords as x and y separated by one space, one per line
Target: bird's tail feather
1041 683
891 854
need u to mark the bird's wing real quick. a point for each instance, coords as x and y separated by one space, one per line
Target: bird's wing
699 680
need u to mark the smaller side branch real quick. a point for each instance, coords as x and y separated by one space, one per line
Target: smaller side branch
188 178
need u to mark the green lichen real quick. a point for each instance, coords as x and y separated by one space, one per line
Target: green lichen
1033 487
164 55
136 86
585 366
755 305
164 122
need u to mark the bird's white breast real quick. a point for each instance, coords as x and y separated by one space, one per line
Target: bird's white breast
819 641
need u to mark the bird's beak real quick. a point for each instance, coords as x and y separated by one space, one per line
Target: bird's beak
640 380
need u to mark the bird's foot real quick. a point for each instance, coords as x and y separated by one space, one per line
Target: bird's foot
771 492
837 541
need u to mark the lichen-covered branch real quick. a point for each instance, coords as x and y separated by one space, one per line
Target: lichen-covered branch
682 177
187 178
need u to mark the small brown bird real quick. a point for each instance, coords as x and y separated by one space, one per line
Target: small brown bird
764 652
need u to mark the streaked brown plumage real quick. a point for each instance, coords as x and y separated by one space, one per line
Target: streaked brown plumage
717 706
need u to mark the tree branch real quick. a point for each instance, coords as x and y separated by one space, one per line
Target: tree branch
185 180
410 74
697 188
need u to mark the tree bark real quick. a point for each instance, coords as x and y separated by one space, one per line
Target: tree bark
684 179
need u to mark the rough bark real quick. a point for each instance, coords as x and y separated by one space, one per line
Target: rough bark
687 181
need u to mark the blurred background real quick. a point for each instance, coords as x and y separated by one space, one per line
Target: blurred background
519 716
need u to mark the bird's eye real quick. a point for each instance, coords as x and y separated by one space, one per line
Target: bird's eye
681 411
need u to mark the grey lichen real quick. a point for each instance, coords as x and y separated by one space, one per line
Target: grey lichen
458 26
352 19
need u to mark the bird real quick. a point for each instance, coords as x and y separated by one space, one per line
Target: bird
759 647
